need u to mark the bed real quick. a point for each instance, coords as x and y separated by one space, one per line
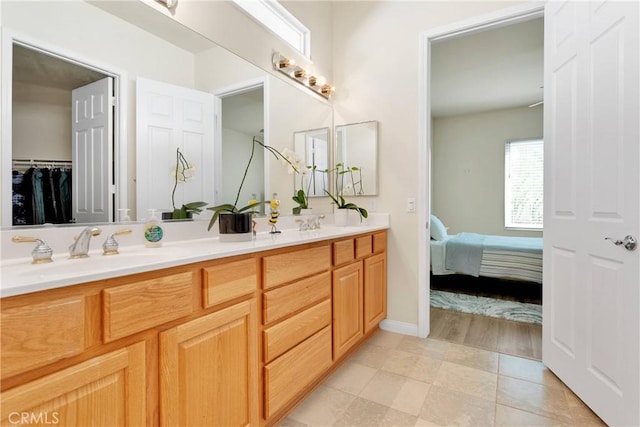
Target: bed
504 257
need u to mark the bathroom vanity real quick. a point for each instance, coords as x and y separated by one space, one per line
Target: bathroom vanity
198 333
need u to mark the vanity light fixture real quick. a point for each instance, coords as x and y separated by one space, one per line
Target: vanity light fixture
304 77
300 74
327 90
285 63
170 4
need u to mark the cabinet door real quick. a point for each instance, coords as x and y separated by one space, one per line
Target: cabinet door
107 390
208 370
375 290
347 308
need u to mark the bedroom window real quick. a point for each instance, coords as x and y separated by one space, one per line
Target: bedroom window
523 190
280 21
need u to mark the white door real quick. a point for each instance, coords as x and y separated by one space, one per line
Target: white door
591 298
171 117
92 130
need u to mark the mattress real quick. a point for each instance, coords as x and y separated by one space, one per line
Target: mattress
489 256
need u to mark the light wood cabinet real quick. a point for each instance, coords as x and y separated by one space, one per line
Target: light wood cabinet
364 246
156 301
280 303
226 280
233 341
108 390
348 322
295 264
34 335
288 375
359 292
208 370
375 291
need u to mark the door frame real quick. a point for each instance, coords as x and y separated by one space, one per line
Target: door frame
231 90
120 145
499 18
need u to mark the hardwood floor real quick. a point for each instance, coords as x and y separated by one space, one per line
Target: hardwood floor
502 336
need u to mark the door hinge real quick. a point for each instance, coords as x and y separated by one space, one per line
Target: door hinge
113 101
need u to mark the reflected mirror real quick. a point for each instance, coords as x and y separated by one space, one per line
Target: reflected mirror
312 150
357 151
181 58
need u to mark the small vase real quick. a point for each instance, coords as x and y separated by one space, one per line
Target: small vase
341 217
235 227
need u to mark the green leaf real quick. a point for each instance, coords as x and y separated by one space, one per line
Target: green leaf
179 214
251 206
332 198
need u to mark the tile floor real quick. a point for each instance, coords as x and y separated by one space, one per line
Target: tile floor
397 380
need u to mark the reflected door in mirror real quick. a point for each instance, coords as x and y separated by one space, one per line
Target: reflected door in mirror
357 151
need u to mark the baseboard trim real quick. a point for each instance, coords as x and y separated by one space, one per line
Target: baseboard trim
398 327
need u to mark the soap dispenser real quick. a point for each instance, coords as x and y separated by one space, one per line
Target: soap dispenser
153 231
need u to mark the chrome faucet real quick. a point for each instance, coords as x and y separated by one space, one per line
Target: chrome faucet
312 223
80 248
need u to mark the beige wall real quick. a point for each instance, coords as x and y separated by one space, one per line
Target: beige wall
468 167
41 122
370 52
376 63
228 26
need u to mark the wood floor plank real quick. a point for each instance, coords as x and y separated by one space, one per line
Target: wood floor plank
483 333
515 338
449 325
503 336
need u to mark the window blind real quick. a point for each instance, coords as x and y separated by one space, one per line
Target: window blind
524 169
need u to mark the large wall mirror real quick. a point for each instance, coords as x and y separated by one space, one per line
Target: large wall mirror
157 48
357 151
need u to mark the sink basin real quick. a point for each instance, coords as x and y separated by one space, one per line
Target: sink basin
64 266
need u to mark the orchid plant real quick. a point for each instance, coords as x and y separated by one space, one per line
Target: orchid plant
253 204
340 171
183 172
294 166
308 179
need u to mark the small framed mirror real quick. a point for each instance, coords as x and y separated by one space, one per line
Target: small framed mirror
357 151
312 150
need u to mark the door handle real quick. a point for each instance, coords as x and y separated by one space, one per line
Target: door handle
629 242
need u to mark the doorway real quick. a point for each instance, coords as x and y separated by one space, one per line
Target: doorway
38 80
492 21
241 117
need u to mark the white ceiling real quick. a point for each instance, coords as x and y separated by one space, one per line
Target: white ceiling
34 67
488 70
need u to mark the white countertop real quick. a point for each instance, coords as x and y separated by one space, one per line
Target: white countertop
20 276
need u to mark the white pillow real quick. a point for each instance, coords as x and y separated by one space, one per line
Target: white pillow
438 230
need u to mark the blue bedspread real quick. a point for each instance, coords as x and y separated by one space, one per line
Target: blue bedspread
464 250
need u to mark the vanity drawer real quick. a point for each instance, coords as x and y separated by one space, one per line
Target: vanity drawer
141 305
281 302
229 280
285 335
35 335
363 246
289 266
343 251
379 242
286 376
